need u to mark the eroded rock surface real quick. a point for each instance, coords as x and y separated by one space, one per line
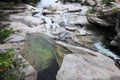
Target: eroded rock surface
87 67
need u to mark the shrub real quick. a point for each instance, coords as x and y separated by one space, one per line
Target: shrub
9 70
4 34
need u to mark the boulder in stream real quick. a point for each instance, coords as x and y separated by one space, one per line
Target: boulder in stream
88 67
41 52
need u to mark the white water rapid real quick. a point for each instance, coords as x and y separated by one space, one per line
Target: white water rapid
105 51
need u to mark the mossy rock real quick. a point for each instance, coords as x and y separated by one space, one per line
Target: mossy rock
40 51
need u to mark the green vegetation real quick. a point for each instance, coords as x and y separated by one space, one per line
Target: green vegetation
106 1
4 34
90 11
9 70
114 11
9 67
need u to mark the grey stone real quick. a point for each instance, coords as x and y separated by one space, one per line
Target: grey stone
30 72
98 21
71 28
32 21
4 47
87 67
16 39
18 46
82 20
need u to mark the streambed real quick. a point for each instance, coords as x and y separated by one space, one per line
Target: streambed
89 37
65 24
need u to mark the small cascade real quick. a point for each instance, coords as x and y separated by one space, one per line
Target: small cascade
101 48
105 51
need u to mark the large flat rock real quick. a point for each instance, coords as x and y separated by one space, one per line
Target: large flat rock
88 67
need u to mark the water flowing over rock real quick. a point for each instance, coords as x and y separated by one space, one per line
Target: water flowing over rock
108 18
105 51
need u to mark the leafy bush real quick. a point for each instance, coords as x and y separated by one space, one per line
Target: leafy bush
4 34
9 70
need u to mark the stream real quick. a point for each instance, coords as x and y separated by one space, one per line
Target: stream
61 31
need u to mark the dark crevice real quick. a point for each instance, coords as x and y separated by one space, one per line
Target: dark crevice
49 73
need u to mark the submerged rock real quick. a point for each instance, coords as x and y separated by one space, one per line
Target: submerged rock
40 51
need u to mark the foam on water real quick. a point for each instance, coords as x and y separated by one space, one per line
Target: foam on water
44 3
105 51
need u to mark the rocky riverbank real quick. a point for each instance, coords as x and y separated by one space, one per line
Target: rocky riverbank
65 25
